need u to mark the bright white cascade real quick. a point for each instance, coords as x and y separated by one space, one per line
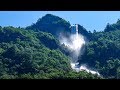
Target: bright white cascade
83 67
75 45
77 68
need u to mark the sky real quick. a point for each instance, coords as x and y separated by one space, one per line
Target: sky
88 19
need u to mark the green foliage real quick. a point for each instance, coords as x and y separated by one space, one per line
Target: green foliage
23 52
52 24
113 27
47 37
83 31
27 54
33 54
102 52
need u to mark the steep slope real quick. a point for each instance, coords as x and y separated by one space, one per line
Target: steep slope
51 24
102 52
33 55
23 51
113 27
83 31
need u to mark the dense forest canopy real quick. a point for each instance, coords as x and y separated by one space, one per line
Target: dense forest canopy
35 52
102 52
51 24
34 55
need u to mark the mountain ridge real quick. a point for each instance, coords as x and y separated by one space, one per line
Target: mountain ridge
34 52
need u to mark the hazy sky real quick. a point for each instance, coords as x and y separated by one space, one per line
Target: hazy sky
89 19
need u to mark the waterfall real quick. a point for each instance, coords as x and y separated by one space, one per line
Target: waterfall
75 44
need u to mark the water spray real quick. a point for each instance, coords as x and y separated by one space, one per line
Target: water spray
75 45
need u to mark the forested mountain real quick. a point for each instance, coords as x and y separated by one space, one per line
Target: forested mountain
113 27
102 52
51 24
33 55
35 52
55 25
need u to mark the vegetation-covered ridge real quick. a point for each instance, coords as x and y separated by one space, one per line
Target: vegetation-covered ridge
102 52
34 52
34 55
51 24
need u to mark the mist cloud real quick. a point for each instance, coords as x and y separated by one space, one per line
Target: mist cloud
75 45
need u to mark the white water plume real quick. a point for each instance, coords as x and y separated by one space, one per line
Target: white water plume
75 44
78 68
84 67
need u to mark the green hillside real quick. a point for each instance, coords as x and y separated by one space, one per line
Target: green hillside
33 55
102 52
